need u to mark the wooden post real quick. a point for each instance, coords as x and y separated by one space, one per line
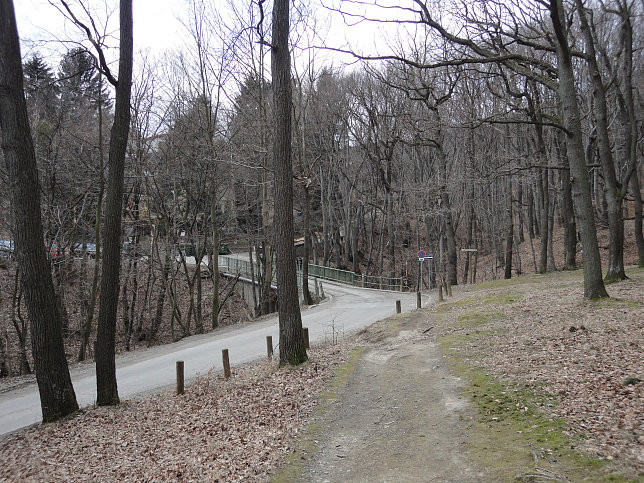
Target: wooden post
269 347
305 336
179 377
401 284
224 357
398 308
363 280
418 300
449 289
440 292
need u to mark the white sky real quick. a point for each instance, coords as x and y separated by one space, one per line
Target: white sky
156 26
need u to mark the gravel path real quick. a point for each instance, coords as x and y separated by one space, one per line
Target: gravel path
401 416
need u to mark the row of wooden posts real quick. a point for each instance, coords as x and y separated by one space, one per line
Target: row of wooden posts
305 335
226 360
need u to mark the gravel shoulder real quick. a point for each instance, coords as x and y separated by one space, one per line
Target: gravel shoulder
401 417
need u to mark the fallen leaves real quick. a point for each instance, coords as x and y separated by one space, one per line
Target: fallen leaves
219 430
586 369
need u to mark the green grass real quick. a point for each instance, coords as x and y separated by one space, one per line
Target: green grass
475 318
613 303
512 433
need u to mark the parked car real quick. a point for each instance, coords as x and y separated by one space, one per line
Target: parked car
55 251
90 249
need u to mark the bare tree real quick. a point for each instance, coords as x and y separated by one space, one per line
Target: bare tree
57 397
106 385
291 343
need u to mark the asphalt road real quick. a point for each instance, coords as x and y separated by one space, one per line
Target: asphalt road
347 310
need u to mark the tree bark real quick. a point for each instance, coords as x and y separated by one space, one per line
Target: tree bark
106 385
57 397
291 343
582 198
214 321
570 227
615 271
306 293
86 329
509 237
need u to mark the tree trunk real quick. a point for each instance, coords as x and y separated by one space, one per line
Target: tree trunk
615 271
582 198
544 209
86 329
291 343
106 386
509 237
637 196
570 227
306 293
630 124
214 322
530 214
57 397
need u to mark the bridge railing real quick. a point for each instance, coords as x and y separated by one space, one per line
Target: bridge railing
234 265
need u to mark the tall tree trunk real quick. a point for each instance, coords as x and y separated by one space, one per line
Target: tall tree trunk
530 214
86 329
570 227
582 199
214 321
544 208
106 386
291 343
630 123
57 397
520 205
615 270
306 293
637 196
509 237
158 314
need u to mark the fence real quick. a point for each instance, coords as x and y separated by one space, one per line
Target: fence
234 265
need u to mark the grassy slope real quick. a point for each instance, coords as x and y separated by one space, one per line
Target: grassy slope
516 433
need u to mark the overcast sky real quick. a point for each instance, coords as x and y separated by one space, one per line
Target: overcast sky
155 24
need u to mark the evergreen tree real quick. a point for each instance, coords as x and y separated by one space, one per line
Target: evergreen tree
41 89
79 81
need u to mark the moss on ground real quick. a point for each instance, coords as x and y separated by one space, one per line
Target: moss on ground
513 436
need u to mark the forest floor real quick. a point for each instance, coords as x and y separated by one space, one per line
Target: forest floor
518 379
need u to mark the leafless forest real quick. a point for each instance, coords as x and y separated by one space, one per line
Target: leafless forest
487 126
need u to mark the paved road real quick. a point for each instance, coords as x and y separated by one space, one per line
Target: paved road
348 310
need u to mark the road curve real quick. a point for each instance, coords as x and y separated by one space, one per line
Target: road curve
347 310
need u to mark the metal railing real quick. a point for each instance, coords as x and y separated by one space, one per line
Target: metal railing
334 274
234 265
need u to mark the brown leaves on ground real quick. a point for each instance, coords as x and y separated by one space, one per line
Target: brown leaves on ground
226 430
588 355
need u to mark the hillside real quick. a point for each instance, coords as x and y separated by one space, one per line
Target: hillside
549 385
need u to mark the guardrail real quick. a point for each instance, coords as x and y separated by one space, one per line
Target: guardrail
234 265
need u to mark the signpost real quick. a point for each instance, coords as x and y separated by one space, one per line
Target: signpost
421 258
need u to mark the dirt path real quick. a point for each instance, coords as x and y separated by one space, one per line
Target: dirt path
400 417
